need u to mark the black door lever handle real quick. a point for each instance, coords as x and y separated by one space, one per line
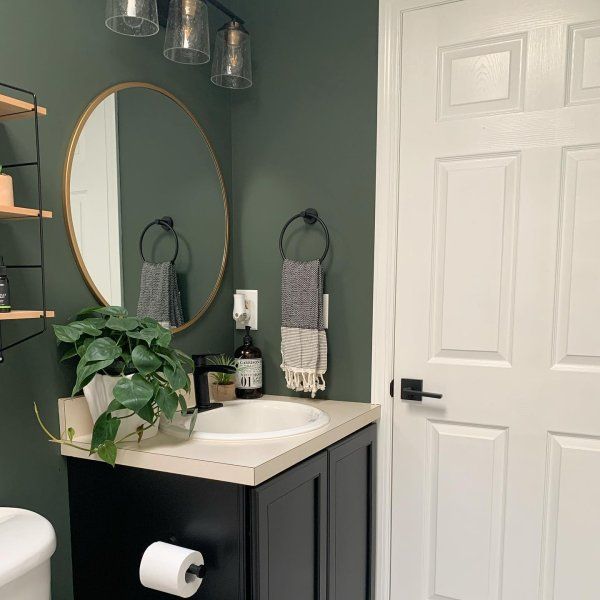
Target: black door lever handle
412 389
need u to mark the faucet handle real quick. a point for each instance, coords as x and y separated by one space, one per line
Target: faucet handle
200 359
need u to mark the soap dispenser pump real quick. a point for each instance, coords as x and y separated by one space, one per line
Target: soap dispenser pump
248 379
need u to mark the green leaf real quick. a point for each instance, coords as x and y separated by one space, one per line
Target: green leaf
69 354
82 349
114 405
85 328
164 338
122 323
147 413
193 422
97 322
108 452
70 434
147 335
103 348
149 322
168 356
144 360
167 402
86 371
105 429
176 377
186 361
66 333
117 311
133 393
182 404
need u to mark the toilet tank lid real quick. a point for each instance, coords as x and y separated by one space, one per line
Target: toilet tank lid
26 541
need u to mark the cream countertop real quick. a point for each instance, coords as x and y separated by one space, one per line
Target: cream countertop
245 462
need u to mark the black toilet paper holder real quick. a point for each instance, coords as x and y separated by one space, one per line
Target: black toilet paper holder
198 570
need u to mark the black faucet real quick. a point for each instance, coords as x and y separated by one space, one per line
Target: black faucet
201 371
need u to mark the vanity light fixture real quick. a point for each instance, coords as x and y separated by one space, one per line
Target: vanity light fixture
232 65
188 39
137 18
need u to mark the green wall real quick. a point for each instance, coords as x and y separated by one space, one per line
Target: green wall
166 168
62 50
304 136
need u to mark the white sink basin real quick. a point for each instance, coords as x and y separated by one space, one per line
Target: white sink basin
249 420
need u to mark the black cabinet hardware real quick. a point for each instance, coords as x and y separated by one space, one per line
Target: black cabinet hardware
412 389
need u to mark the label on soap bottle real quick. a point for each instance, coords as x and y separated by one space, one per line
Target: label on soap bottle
249 374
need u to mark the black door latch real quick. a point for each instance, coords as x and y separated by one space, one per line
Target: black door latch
412 389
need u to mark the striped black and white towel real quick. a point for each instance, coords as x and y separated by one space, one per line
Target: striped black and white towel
303 337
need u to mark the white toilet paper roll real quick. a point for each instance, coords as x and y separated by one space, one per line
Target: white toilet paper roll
164 568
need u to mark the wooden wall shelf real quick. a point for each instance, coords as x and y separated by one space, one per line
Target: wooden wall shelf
20 315
16 212
11 109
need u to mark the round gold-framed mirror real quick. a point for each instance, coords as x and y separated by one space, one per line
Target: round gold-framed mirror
137 161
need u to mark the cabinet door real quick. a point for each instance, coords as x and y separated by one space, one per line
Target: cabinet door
351 516
290 534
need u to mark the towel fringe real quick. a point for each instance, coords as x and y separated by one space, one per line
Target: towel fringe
304 381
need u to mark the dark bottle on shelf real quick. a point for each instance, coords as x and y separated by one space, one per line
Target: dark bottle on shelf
248 379
4 288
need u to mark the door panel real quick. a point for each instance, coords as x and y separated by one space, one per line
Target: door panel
290 520
497 304
351 516
466 476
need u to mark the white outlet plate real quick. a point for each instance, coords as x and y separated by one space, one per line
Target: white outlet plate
252 304
326 310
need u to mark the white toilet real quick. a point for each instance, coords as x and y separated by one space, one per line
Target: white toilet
27 542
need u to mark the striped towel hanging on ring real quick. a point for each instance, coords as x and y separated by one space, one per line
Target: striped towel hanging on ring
303 336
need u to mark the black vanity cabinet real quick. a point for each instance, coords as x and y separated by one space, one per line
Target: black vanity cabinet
306 534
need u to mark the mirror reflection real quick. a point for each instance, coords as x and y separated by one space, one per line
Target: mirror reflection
146 206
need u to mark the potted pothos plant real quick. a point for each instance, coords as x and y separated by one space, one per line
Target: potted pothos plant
223 384
129 373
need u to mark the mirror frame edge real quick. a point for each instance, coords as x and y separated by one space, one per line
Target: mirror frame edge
68 217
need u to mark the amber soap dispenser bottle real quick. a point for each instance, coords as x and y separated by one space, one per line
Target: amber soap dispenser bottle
248 379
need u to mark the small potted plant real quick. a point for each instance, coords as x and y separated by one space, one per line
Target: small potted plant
128 372
6 189
223 384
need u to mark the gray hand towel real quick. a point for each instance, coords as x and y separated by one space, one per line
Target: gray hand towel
303 337
159 294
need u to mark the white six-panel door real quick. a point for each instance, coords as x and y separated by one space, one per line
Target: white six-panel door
496 487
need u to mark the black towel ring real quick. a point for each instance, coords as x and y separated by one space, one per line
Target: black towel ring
167 224
310 216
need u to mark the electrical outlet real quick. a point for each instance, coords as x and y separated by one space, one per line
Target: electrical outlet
252 305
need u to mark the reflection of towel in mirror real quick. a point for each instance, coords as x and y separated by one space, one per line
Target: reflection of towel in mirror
303 337
159 294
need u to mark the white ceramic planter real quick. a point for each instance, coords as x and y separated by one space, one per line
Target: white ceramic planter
6 191
99 394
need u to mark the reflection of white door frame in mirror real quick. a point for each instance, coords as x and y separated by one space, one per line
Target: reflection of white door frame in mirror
95 199
70 214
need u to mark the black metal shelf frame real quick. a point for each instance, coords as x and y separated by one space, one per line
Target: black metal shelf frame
41 265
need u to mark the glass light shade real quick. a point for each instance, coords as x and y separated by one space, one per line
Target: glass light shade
188 38
232 64
138 18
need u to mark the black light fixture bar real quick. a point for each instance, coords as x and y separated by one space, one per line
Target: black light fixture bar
226 11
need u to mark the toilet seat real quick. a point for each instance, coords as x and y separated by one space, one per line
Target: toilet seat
26 541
